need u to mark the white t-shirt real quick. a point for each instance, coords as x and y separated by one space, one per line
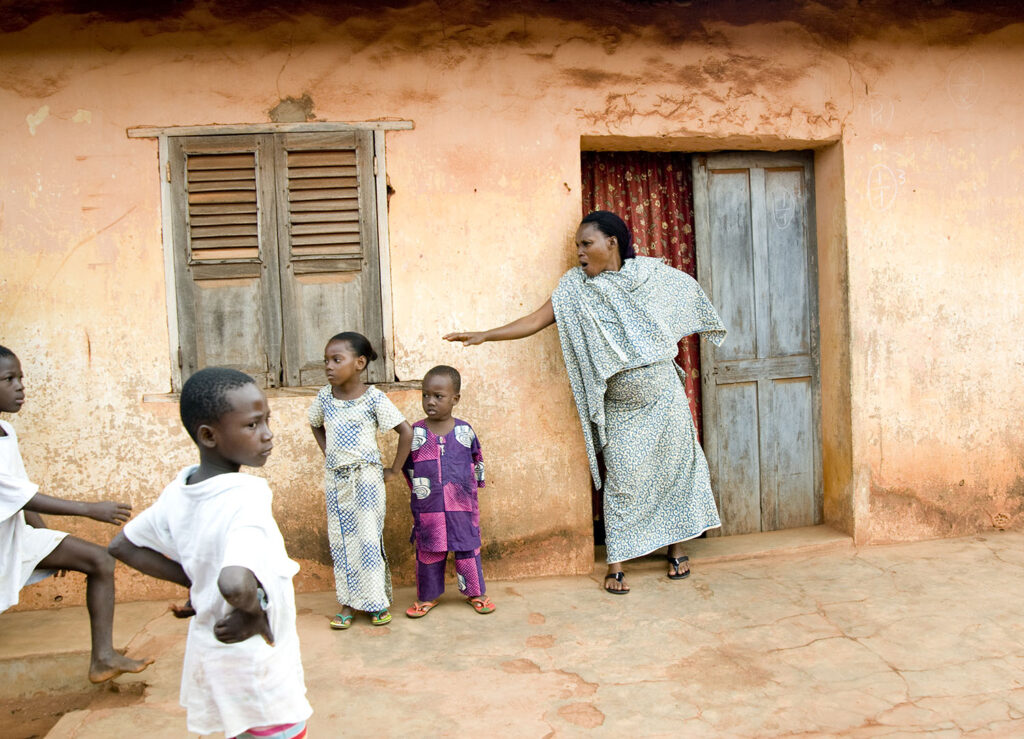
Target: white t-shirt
221 522
21 546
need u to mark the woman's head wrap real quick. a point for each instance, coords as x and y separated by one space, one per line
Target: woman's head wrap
611 225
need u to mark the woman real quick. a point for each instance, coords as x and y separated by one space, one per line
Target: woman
620 318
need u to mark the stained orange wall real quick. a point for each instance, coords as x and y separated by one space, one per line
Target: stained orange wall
920 203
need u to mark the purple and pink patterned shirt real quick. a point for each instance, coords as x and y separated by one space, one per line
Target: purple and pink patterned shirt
444 473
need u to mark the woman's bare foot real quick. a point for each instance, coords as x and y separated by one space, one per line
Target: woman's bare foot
614 581
102 670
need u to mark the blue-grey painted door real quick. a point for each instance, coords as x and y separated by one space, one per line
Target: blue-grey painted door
756 258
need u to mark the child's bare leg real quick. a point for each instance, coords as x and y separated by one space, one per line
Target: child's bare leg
83 556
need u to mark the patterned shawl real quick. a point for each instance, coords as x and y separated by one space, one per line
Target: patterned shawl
622 320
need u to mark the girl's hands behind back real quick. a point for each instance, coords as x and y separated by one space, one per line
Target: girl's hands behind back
109 511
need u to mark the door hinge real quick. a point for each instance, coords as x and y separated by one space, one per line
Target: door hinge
167 166
375 165
181 362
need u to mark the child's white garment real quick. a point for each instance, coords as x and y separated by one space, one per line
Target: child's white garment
221 522
21 546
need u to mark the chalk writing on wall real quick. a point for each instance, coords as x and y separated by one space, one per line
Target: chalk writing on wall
782 206
881 110
884 184
964 82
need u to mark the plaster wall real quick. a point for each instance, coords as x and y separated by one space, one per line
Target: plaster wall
920 201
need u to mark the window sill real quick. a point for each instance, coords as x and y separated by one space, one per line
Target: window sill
291 392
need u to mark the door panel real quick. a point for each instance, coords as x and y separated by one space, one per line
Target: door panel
730 228
738 442
754 217
787 263
794 456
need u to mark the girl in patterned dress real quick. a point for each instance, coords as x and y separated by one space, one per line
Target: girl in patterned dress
345 418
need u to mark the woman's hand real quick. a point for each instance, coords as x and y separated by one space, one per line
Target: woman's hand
518 329
468 338
109 511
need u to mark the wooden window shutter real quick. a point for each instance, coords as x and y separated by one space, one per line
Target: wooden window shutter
327 238
224 234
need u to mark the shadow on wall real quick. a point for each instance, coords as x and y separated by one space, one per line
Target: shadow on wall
830 21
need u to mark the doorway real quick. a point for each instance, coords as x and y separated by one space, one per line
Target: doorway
743 225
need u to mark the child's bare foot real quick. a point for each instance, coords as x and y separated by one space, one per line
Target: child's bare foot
108 668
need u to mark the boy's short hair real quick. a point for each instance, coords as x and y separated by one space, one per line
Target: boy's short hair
5 352
204 397
443 370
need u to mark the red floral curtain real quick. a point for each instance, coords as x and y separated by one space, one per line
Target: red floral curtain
653 193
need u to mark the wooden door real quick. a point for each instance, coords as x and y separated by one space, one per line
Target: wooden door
756 259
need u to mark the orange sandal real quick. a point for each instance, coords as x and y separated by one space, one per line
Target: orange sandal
481 604
419 610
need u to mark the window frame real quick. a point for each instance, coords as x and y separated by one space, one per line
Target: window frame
168 203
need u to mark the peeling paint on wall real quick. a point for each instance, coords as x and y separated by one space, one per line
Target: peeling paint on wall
34 120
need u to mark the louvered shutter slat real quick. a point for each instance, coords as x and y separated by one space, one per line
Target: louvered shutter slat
344 241
350 227
299 173
326 194
223 219
322 158
323 183
327 216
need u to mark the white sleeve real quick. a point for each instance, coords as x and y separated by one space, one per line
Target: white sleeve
15 492
149 529
253 539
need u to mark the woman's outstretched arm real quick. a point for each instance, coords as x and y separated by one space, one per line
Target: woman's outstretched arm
518 329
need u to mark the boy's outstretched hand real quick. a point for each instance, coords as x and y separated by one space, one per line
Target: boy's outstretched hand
109 511
240 625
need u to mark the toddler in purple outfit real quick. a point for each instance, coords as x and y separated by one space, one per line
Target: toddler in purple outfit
444 470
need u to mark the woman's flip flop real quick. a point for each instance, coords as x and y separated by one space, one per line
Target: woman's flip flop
419 610
675 562
340 622
617 577
379 618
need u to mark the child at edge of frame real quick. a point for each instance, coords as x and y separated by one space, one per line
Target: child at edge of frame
212 531
345 417
444 470
30 552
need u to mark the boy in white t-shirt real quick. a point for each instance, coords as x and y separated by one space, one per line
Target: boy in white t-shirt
212 531
29 551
